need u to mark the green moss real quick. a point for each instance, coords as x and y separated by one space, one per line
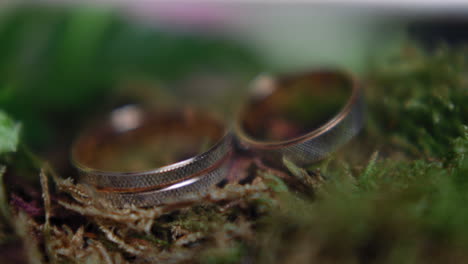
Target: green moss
419 100
406 210
406 203
9 133
230 255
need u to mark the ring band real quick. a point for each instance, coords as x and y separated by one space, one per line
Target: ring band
153 186
301 117
272 97
178 192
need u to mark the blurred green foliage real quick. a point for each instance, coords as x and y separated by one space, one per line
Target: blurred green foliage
410 209
59 64
9 133
395 209
420 100
396 212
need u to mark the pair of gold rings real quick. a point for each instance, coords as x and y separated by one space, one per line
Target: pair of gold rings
144 158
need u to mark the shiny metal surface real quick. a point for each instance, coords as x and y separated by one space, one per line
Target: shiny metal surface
190 177
179 192
315 144
169 182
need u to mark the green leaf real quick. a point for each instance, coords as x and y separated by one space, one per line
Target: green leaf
9 133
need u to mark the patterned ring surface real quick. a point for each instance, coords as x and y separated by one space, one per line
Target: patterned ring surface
87 148
311 145
182 191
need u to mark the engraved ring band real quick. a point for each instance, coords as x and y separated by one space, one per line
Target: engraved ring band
143 158
302 117
117 157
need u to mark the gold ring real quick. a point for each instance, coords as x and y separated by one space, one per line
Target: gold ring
144 158
301 117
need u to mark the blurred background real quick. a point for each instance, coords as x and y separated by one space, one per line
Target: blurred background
63 64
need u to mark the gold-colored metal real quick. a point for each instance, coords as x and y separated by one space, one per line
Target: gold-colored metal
313 143
202 168
270 126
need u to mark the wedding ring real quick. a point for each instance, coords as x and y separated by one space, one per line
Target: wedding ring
145 158
300 117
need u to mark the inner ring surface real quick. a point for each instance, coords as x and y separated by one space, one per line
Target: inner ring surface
291 107
152 140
